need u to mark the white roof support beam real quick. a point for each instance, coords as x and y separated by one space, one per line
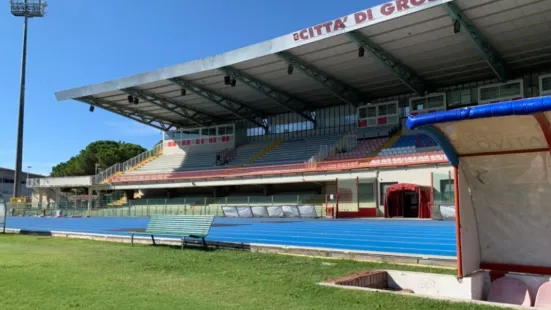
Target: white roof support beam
341 90
282 98
238 109
132 114
403 72
200 118
463 24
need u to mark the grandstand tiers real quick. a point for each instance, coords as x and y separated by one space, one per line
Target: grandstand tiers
326 104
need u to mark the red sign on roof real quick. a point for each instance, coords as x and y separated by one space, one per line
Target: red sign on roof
358 19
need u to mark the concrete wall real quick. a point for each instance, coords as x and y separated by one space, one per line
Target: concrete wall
62 182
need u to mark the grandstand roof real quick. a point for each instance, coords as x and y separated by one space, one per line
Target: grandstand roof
410 46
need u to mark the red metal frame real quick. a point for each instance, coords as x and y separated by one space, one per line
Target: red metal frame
545 128
337 198
431 197
457 223
505 152
271 170
504 268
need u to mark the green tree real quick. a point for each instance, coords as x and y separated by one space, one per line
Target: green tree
104 153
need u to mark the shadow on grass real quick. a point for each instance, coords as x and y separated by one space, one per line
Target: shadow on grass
211 246
42 233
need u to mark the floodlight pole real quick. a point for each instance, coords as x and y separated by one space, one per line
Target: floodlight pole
23 9
21 119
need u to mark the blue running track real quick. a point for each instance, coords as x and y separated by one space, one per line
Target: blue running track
427 238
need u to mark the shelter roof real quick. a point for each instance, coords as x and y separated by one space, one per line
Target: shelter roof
409 46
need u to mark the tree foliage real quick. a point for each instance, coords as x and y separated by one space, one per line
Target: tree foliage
104 153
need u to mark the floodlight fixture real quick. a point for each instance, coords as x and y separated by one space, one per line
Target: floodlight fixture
28 8
290 69
456 26
233 82
227 80
136 100
361 51
183 92
91 108
130 99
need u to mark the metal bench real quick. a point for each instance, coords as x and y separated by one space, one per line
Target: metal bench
181 226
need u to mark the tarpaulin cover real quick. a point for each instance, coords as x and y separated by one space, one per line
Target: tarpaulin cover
230 211
290 211
244 211
275 211
260 212
307 211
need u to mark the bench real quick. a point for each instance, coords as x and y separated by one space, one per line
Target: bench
181 226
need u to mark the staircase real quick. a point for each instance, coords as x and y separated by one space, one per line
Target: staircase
272 146
134 163
145 162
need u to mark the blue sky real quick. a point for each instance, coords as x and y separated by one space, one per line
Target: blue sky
85 42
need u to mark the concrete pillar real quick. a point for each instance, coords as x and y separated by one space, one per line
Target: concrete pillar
57 196
90 192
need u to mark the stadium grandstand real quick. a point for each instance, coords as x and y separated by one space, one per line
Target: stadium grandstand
314 118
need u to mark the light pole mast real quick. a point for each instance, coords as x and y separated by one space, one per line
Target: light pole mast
26 9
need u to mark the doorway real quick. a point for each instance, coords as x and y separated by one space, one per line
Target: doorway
410 204
407 201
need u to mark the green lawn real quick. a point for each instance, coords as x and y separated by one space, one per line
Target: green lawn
47 273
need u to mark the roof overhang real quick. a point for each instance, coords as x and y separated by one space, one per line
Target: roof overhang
409 46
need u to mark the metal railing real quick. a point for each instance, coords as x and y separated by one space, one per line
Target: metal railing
188 206
121 167
359 163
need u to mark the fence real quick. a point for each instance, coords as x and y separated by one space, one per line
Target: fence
175 206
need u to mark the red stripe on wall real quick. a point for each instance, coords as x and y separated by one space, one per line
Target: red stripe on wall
363 212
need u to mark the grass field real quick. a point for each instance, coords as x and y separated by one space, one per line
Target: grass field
47 273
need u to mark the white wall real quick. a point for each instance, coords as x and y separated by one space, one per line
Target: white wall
62 181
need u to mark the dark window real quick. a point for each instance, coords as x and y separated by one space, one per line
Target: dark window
447 192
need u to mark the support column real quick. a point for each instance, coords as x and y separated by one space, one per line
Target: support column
57 197
90 192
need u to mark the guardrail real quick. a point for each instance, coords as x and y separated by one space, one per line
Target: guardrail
121 167
387 161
